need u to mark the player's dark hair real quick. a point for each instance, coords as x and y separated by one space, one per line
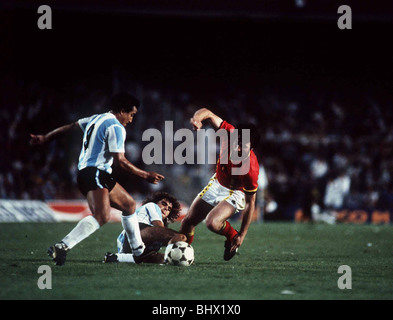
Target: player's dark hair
124 101
254 133
175 212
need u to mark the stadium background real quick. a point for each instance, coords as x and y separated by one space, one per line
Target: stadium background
317 93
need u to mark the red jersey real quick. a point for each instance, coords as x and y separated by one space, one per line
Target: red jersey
247 182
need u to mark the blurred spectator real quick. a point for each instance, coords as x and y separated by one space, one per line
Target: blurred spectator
337 189
319 167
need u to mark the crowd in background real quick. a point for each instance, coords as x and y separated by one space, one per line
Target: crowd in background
334 149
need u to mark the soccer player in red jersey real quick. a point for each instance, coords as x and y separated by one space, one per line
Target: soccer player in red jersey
228 191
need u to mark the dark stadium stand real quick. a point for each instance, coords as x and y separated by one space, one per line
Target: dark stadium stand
314 91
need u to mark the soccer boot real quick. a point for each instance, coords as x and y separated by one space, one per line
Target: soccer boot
110 257
228 254
58 253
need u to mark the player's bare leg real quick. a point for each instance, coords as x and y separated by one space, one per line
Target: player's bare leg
178 237
217 221
99 205
161 234
121 200
197 212
98 201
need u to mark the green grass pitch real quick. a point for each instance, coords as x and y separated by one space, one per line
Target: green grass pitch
276 261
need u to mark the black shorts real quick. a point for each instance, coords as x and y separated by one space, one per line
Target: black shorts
92 178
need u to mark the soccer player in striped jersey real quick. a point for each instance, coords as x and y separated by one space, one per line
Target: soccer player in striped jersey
226 192
153 217
103 145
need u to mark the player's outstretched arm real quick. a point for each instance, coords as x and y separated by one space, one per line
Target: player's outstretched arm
121 161
45 138
246 221
205 114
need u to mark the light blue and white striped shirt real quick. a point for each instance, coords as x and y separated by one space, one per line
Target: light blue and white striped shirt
103 134
148 213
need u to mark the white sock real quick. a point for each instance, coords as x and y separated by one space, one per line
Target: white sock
131 226
125 257
83 229
167 250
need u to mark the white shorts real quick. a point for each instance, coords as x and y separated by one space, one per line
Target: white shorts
214 193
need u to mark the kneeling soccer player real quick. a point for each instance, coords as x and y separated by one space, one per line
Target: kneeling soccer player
153 217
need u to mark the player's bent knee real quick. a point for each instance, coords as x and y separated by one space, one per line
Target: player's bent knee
213 225
178 237
102 218
210 225
132 205
129 207
182 237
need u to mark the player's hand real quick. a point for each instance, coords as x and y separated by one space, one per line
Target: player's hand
196 124
154 177
237 242
37 139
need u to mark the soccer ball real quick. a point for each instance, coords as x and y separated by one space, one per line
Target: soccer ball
181 254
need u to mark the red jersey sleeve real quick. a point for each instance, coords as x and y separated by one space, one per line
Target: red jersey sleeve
226 126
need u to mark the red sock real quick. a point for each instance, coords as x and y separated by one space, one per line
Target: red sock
190 237
228 231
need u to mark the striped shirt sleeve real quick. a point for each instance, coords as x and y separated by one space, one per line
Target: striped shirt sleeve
84 121
116 138
154 211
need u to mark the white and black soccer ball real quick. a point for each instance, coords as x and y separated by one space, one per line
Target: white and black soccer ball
181 254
